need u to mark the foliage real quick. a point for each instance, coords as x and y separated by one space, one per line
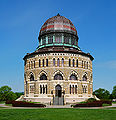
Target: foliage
102 93
93 103
18 94
6 94
91 100
26 104
114 92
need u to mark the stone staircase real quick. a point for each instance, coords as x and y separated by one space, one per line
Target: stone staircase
58 101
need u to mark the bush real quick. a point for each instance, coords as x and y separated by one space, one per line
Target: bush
91 100
93 104
26 104
9 101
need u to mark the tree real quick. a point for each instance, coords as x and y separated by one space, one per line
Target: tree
114 92
102 93
18 94
6 93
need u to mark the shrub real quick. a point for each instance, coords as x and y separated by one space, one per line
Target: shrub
93 104
26 104
91 100
9 101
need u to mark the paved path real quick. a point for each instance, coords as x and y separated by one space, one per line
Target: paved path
56 106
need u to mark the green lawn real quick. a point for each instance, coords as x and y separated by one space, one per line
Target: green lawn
57 114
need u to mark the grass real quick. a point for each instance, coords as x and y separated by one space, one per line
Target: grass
114 102
57 114
114 108
106 105
2 102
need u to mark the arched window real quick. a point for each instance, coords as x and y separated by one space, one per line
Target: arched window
70 89
69 62
84 78
46 62
40 89
54 62
58 77
31 78
34 64
75 89
43 62
43 40
43 77
66 39
72 40
58 38
84 89
39 63
43 89
58 62
77 63
50 39
73 77
62 61
46 89
82 64
73 63
31 64
87 65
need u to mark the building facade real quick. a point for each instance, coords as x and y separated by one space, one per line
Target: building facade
58 72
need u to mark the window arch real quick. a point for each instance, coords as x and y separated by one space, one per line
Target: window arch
43 62
69 62
73 63
54 62
40 89
58 62
43 77
62 61
31 64
34 64
73 77
87 65
46 62
58 77
77 63
39 63
84 78
31 78
50 39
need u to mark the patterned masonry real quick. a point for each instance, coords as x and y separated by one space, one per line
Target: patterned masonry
58 68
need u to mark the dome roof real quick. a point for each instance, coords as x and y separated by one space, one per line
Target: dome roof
58 24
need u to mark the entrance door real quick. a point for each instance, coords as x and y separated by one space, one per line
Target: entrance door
58 99
58 91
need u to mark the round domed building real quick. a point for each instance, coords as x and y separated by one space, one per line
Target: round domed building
58 72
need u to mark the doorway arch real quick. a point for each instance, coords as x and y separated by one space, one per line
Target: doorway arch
58 91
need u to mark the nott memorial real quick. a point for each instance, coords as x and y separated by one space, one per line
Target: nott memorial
58 72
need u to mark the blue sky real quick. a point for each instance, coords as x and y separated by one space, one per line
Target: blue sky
20 23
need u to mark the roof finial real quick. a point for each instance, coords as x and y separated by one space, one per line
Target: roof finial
58 14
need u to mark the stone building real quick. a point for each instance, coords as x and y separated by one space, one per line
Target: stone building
58 72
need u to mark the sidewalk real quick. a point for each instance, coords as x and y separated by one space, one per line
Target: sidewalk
56 106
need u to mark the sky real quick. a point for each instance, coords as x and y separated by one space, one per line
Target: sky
21 21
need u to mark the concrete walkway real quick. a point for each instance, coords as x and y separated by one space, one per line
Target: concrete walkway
56 106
